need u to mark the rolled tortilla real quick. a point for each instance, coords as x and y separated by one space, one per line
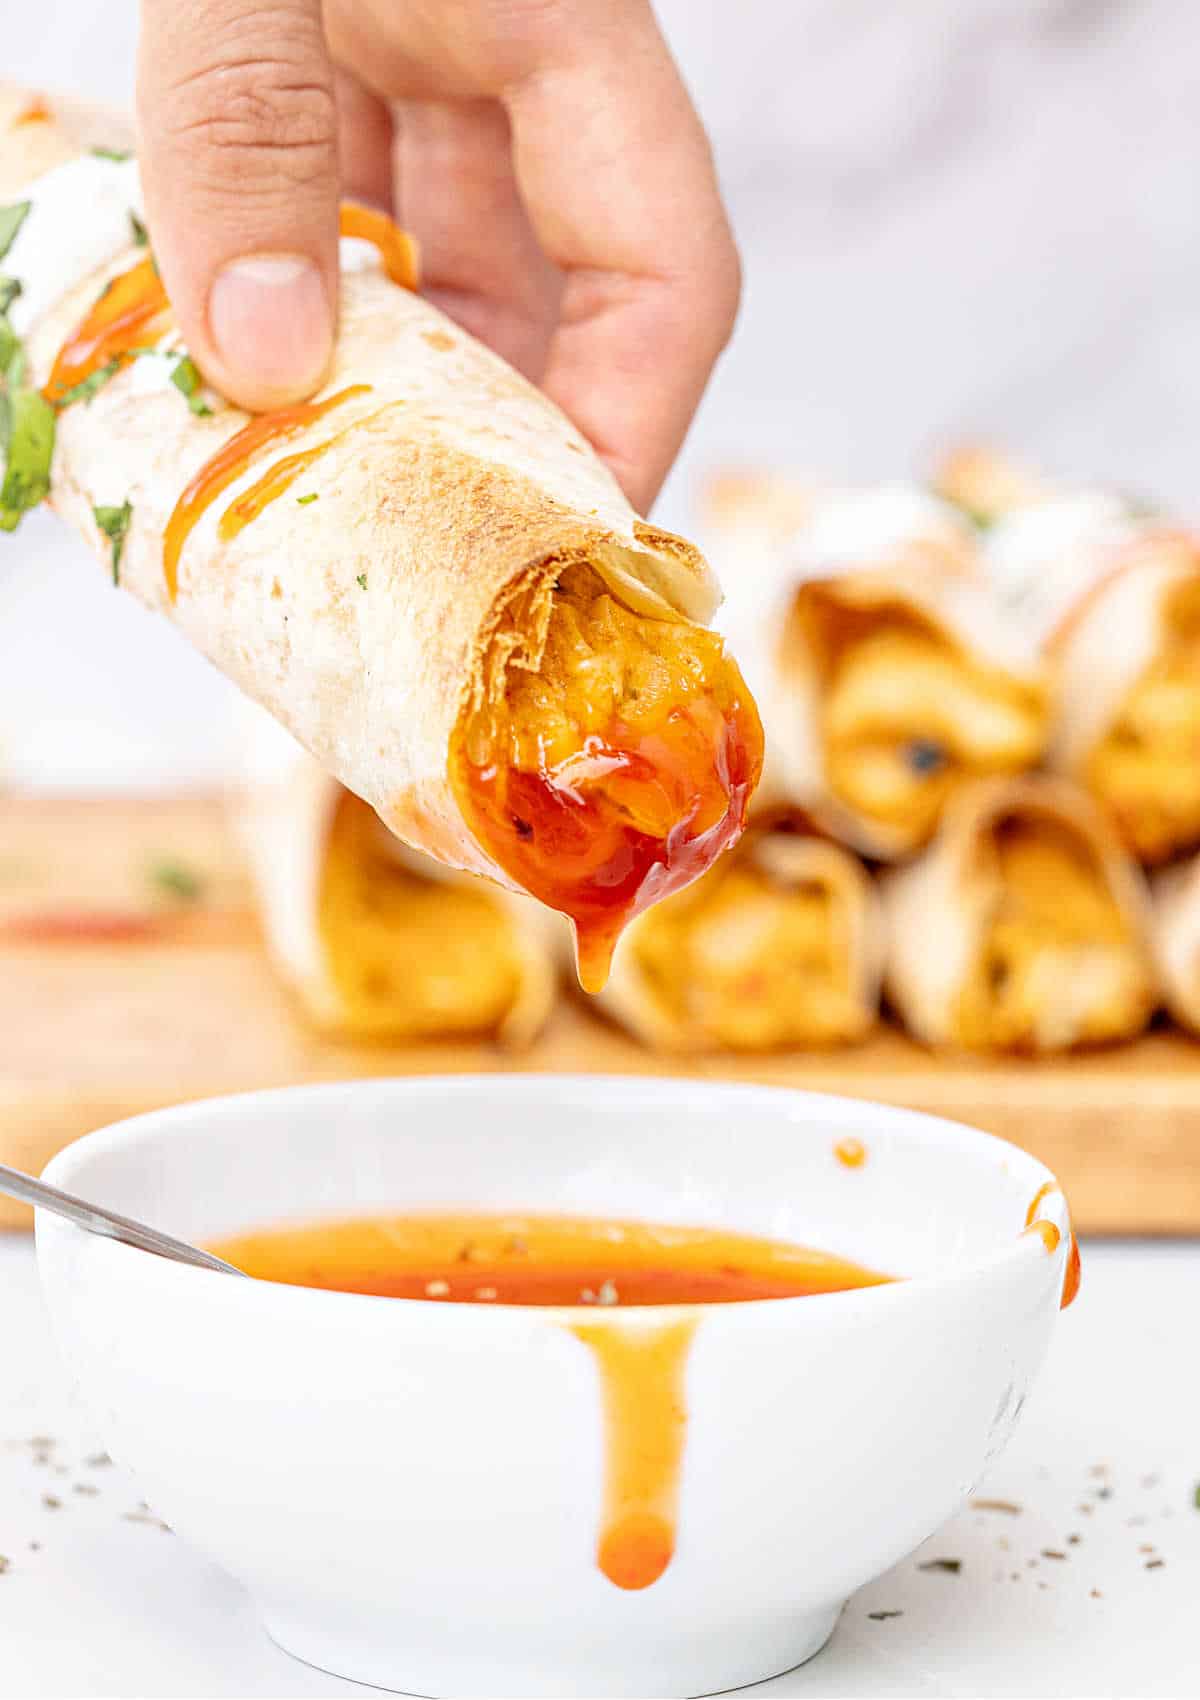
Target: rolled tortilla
1023 927
427 574
1112 599
1175 894
376 940
886 677
778 946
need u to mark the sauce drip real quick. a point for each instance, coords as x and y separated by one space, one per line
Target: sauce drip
1051 1237
397 249
850 1152
229 463
645 1427
573 1261
636 816
128 314
37 112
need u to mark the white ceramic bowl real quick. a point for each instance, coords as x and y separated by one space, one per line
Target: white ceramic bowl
411 1490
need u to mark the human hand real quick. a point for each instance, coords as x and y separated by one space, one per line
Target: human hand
545 154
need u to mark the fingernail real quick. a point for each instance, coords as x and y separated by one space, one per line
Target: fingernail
271 322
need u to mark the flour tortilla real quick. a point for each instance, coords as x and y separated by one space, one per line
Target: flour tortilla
366 620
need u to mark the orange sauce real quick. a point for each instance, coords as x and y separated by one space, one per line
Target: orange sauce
1051 1238
578 849
397 249
131 312
37 112
228 464
573 1261
851 1152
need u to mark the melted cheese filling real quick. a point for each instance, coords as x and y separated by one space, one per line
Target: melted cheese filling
748 962
1146 769
1059 964
410 956
908 718
615 772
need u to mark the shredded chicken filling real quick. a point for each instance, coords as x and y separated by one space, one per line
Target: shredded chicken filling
1146 769
1060 963
616 771
410 956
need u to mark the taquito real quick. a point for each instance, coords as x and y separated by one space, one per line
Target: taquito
1175 894
778 946
885 674
1111 596
376 940
1023 927
425 573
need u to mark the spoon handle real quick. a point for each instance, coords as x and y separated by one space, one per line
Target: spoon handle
106 1222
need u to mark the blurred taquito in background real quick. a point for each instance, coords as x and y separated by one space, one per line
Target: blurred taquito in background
1022 927
1111 597
884 672
778 946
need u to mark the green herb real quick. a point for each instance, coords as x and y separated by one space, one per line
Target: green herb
118 155
361 581
27 439
140 234
114 523
1196 1497
882 1616
303 501
11 220
10 288
87 387
951 1565
176 880
10 347
187 381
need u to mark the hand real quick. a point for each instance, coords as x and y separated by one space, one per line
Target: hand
544 152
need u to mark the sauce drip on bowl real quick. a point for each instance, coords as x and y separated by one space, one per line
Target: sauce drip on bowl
1050 1237
603 1265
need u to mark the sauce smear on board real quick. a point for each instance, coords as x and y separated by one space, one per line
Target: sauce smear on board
573 1261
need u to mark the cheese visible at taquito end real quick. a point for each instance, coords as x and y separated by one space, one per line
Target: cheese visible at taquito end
884 672
778 946
377 941
1111 597
426 574
1175 894
1023 927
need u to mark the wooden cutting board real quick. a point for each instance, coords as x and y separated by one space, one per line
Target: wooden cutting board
132 975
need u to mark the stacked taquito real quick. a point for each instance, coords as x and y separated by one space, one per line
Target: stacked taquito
1110 596
779 946
375 940
1024 927
426 574
886 677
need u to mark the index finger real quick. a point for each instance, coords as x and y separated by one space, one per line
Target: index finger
617 175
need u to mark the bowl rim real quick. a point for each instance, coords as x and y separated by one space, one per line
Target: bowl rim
176 1117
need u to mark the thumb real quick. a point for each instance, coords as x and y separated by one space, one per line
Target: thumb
240 172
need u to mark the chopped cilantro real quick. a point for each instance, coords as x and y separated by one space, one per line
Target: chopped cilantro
10 288
1196 1497
140 234
87 387
361 581
303 501
118 155
114 523
11 220
187 381
176 880
27 440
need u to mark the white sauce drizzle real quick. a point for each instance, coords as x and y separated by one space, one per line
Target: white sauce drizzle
1041 560
851 528
78 221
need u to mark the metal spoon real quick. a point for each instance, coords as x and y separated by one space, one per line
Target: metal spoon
106 1222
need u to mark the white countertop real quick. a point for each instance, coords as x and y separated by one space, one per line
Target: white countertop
99 1599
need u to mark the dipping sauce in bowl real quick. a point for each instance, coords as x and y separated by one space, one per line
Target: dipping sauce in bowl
539 1260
